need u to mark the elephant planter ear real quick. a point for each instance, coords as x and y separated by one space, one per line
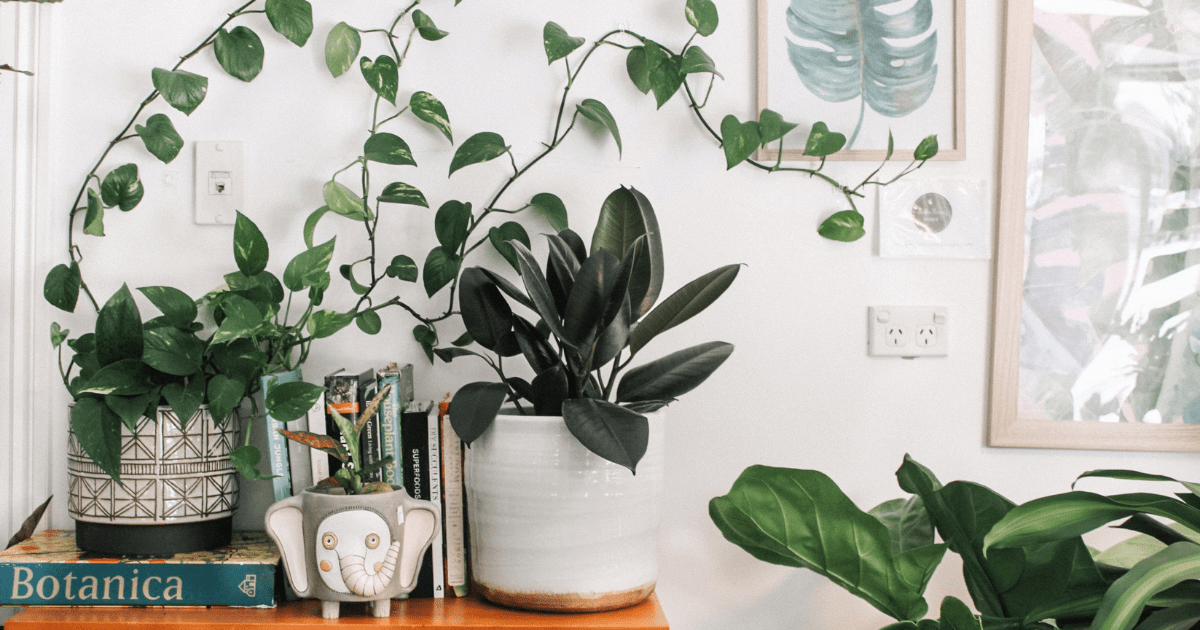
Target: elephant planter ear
419 527
285 523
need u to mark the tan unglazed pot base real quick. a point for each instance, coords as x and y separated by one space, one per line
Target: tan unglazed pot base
565 602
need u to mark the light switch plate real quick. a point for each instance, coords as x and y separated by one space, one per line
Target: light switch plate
908 331
220 181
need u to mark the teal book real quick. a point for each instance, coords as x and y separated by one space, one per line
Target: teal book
401 380
277 445
49 570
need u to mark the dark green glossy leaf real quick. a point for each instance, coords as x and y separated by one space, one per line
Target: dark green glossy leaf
441 267
426 28
665 72
93 221
240 52
907 522
614 433
481 147
130 409
428 108
451 223
594 286
383 75
241 359
160 137
183 90
185 400
245 459
173 351
399 192
122 188
926 149
557 42
359 288
62 286
1133 475
341 48
845 226
673 375
485 313
474 407
345 202
174 304
638 68
800 518
242 319
509 289
127 377
119 329
702 15
500 237
682 305
98 431
290 401
402 268
426 336
552 208
626 216
772 127
598 113
955 615
263 287
291 18
326 323
822 142
696 61
369 322
739 140
250 250
538 290
388 149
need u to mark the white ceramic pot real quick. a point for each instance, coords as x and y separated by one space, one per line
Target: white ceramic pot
555 527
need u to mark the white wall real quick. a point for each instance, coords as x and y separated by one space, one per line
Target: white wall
799 391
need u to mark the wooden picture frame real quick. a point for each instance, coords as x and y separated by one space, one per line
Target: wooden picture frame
781 89
1021 404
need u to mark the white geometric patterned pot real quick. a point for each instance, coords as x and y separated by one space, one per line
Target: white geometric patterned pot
177 493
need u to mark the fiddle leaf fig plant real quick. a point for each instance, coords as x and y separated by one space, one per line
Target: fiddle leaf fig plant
589 315
1025 567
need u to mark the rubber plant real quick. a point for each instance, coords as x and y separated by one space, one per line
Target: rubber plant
1025 567
591 313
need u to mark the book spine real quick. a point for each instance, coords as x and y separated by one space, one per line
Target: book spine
318 460
389 427
299 457
369 440
453 508
119 584
341 395
414 432
277 445
435 495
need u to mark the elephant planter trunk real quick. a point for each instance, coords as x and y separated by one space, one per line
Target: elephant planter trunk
352 548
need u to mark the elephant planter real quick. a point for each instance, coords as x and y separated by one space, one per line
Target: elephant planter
352 548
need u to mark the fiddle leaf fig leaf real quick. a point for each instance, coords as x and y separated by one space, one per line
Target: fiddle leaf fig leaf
250 250
183 90
345 202
845 226
310 267
160 137
429 109
119 329
291 18
638 68
388 148
552 208
399 192
341 48
558 43
739 139
481 147
596 112
240 53
176 305
426 28
500 237
122 188
612 432
696 61
402 268
62 286
383 75
926 149
702 15
93 220
822 142
441 267
772 127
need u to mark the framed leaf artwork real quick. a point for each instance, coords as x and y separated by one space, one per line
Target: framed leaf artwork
1096 340
866 68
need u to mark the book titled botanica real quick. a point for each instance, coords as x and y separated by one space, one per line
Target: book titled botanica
49 570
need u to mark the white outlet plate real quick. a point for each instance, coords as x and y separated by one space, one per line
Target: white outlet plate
220 181
908 331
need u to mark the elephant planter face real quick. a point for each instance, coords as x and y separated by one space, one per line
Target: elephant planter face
352 548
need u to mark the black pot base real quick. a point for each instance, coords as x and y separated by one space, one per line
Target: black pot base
153 540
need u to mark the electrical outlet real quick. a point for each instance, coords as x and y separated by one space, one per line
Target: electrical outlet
907 331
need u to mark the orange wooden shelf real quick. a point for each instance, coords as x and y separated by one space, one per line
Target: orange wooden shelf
470 613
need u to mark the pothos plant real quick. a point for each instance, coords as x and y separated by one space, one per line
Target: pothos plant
591 313
1025 566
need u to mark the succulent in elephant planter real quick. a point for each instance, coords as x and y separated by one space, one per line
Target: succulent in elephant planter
583 538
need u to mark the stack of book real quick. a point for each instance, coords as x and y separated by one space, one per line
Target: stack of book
426 457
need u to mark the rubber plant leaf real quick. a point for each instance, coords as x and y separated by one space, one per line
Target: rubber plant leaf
1125 600
291 18
682 305
474 408
673 375
612 432
846 49
539 292
625 216
485 312
800 518
240 53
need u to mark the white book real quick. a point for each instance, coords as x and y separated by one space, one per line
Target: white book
316 424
